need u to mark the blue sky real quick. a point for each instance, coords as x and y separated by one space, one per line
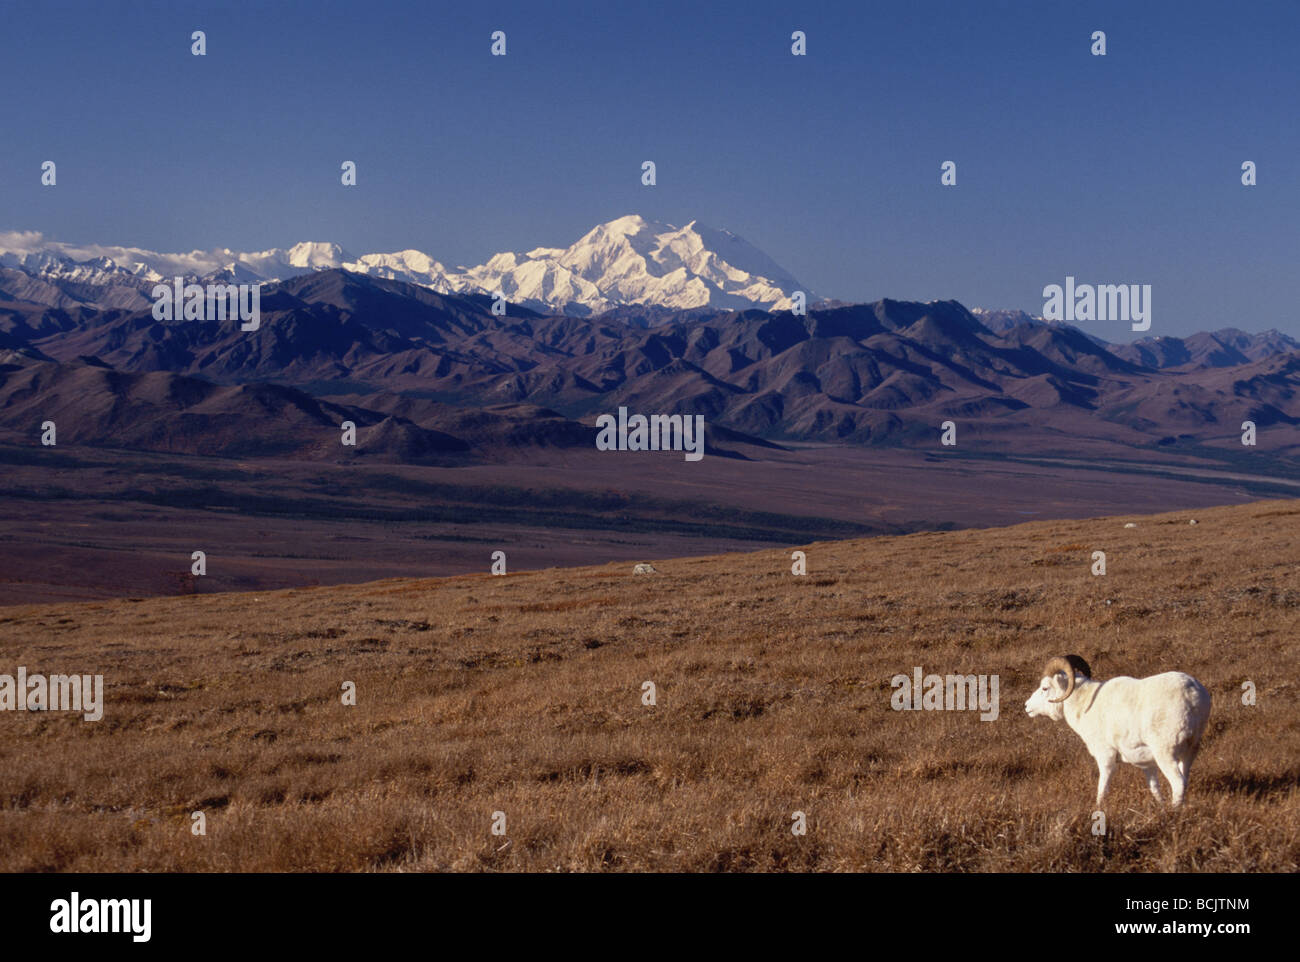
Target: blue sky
1115 169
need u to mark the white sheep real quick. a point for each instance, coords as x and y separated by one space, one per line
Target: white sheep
1154 723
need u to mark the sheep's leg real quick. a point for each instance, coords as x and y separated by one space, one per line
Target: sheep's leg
1176 773
1105 769
1184 762
1153 781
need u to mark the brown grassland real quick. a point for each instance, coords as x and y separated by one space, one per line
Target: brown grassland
523 694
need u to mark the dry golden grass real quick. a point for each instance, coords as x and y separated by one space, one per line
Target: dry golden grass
522 694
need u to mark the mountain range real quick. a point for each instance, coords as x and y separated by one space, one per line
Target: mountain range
627 261
429 375
887 372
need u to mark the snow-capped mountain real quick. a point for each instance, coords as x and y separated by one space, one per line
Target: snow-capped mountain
628 261
634 261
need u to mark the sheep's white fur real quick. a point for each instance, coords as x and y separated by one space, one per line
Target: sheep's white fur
1154 723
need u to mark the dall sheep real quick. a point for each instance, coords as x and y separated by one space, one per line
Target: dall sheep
1154 723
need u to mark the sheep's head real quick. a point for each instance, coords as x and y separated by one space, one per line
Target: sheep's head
1057 684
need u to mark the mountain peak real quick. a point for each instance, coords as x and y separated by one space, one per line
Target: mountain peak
627 224
629 261
317 255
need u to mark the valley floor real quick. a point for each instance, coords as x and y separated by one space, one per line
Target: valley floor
85 523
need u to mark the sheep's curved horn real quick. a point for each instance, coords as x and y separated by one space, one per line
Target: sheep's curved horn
1061 664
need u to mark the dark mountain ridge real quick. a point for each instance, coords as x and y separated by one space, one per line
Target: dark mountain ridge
888 372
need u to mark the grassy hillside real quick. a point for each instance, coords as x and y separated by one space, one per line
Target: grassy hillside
523 694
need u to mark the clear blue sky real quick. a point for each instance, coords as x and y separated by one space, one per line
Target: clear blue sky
1123 168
